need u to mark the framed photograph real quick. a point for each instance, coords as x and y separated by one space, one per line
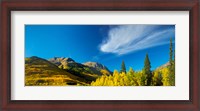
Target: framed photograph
139 55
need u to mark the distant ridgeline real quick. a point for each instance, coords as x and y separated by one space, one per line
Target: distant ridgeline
60 71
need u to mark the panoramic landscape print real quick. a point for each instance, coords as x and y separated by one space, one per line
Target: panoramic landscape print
100 55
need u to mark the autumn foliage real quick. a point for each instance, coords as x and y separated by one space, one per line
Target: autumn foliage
164 76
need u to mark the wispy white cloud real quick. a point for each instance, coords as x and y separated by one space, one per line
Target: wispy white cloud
130 38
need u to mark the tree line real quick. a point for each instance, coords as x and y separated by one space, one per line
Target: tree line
164 76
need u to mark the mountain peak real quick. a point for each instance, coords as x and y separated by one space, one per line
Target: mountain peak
33 57
94 65
59 59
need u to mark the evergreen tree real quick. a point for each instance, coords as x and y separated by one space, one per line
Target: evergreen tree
123 67
170 54
147 70
174 56
173 67
172 64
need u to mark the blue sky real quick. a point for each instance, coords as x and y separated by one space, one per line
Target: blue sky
106 44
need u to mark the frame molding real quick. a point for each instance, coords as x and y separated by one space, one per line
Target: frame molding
98 5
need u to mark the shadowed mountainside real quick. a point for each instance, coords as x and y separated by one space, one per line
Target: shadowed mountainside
87 72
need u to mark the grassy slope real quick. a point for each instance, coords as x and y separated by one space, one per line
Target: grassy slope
39 71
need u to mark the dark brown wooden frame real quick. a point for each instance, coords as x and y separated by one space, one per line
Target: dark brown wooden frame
98 5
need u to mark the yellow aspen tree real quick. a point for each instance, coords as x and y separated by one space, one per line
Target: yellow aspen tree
166 77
